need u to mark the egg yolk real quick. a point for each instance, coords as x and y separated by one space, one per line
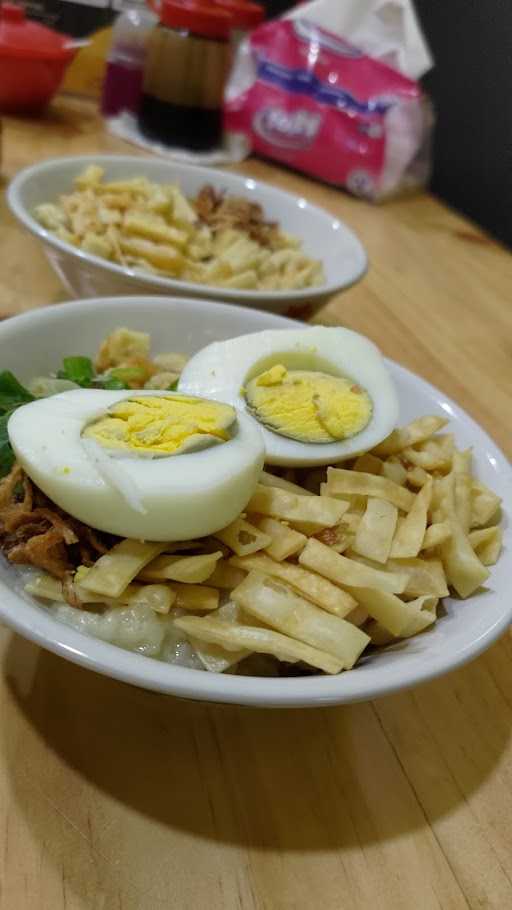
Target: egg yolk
307 405
163 425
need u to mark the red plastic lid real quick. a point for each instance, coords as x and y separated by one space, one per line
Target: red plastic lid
243 15
195 17
21 38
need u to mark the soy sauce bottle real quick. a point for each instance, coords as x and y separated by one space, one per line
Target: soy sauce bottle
184 76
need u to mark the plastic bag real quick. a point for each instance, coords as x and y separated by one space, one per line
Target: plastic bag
307 98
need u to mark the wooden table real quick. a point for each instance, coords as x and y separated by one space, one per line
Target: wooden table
113 798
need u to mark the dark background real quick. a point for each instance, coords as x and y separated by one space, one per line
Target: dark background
471 85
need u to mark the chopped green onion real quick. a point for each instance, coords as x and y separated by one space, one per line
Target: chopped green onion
77 369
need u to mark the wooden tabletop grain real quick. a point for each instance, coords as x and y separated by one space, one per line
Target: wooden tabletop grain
112 798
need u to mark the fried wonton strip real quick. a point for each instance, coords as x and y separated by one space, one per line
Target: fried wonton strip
153 227
45 586
195 597
252 638
374 535
394 470
421 620
312 512
243 538
391 612
416 477
348 572
462 461
185 596
89 177
158 597
463 568
116 569
281 608
462 469
424 576
410 534
484 504
342 481
162 256
436 534
284 541
355 506
213 657
487 544
417 431
187 569
423 615
433 455
314 587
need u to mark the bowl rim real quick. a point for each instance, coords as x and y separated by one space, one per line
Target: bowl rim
34 622
170 285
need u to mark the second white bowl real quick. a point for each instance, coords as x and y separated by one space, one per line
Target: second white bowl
83 275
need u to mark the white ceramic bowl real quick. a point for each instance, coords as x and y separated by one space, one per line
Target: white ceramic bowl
35 342
83 275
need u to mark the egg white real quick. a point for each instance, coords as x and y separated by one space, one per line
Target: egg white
220 370
162 499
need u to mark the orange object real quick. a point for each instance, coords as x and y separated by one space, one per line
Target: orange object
85 75
33 60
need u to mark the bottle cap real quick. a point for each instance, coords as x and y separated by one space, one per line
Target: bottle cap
208 21
243 15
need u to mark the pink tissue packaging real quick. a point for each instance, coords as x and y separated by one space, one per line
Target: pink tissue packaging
305 97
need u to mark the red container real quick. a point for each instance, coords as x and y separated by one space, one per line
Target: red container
33 60
244 15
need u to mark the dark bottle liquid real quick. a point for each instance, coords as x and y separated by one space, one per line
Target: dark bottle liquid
196 128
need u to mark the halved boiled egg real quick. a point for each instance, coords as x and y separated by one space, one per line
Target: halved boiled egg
148 465
320 394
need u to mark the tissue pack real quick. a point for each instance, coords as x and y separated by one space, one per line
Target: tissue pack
305 97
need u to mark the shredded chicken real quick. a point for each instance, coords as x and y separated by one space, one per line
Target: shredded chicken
34 531
220 212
